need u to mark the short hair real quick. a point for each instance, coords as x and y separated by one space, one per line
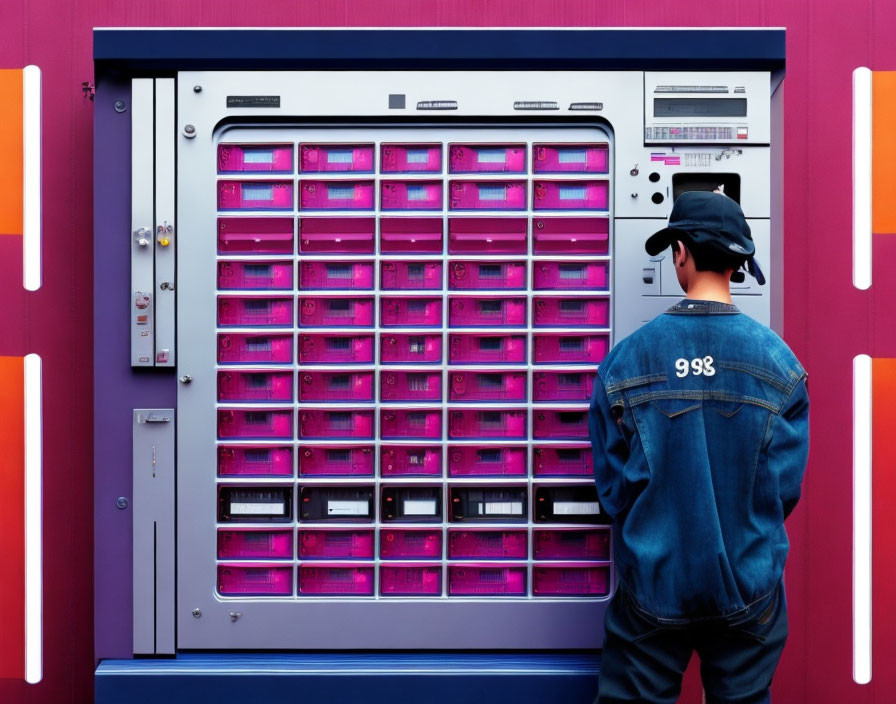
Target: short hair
710 258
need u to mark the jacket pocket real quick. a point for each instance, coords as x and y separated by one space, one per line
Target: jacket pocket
674 407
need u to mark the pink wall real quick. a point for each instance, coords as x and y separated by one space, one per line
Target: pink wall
827 322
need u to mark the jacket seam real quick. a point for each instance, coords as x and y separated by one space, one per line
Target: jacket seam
758 372
704 396
634 381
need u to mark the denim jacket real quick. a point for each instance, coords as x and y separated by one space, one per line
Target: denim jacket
700 431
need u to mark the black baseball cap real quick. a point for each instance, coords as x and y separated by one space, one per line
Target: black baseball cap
709 220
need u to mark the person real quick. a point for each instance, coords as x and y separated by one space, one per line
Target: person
700 431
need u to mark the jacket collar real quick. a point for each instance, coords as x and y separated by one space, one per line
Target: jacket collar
691 306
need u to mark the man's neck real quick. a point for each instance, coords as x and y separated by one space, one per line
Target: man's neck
709 286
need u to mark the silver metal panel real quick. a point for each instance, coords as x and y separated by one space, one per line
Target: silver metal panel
165 232
153 516
141 236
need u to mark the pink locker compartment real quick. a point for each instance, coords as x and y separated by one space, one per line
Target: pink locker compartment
335 544
475 348
498 235
254 158
410 158
467 386
566 311
486 580
254 544
564 276
326 235
255 275
255 424
570 195
335 348
412 349
410 386
488 461
560 424
567 385
571 544
342 311
411 195
255 385
411 235
255 235
336 195
332 580
564 235
407 424
571 158
321 158
254 580
487 195
568 460
255 195
486 311
315 275
486 158
468 423
235 348
348 424
254 461
243 310
411 580
411 311
562 348
484 276
336 461
410 460
570 579
400 544
336 386
404 275
487 544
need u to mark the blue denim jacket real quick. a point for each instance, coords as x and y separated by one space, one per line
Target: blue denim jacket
700 431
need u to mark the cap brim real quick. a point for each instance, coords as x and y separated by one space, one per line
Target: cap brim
658 241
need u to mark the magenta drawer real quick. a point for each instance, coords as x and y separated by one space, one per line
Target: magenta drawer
570 580
571 275
315 275
254 347
255 275
483 276
410 158
254 461
571 235
254 195
410 461
401 275
410 580
550 424
254 580
486 580
410 386
342 580
255 158
413 349
254 386
472 461
233 310
563 348
255 235
411 424
336 195
486 349
487 386
335 386
486 311
261 424
565 158
335 348
335 544
335 424
336 461
411 235
571 544
473 423
562 461
570 195
486 158
411 312
487 195
320 158
487 235
326 235
411 195
315 312
563 386
487 544
253 544
571 312
410 544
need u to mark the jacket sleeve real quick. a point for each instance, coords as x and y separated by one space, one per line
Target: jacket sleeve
610 452
788 451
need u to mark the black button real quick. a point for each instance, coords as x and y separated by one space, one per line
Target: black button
657 198
654 177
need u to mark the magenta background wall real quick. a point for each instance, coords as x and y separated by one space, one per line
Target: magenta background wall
827 322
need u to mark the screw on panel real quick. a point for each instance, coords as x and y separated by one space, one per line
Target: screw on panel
186 379
197 89
122 503
119 106
189 131
235 616
197 613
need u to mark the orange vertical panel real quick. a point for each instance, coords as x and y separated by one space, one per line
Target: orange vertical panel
11 150
883 152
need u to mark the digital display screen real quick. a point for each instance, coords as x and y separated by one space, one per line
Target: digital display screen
699 107
255 155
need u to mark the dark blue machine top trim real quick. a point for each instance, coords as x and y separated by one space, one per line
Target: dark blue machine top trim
136 50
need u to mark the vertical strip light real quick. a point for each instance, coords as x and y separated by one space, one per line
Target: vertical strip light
33 521
861 520
861 178
31 214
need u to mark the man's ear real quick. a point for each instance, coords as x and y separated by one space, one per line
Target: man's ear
682 253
